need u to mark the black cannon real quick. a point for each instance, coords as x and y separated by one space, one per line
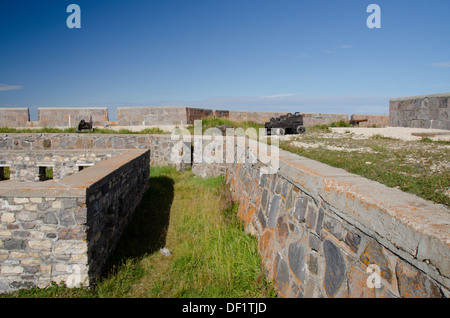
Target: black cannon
285 124
85 126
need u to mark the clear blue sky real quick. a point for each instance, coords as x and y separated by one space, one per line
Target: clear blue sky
285 55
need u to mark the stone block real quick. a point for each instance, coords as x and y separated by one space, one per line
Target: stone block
373 254
335 268
297 260
414 284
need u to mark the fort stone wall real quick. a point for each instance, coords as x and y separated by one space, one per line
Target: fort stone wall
426 111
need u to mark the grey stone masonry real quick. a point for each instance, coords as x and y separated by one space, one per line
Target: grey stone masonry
324 232
63 230
426 111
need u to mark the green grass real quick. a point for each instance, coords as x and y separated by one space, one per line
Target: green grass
195 218
404 165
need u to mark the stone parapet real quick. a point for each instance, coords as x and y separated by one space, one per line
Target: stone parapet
64 117
324 232
14 117
63 230
426 111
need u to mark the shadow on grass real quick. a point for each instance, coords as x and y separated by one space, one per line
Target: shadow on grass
147 230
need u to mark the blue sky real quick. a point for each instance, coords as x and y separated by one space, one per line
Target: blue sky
285 55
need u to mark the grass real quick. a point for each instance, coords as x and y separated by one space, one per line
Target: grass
417 167
195 218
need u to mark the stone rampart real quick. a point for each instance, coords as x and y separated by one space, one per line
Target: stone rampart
148 116
324 232
65 117
64 230
372 120
161 145
14 117
426 111
25 165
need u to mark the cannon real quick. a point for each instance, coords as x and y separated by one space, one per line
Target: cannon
85 126
285 124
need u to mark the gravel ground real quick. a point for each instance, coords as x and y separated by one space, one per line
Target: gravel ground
393 132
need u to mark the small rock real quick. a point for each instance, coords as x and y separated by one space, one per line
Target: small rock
164 251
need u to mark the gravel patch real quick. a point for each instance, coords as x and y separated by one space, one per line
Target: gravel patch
393 132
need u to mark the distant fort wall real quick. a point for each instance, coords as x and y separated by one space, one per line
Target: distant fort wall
64 117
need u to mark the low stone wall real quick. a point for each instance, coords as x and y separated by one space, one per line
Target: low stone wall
324 232
24 166
14 117
154 116
65 117
64 230
315 119
161 145
372 120
426 111
147 116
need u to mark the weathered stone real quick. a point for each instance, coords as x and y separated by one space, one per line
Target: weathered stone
300 209
8 217
12 270
297 260
333 226
27 216
261 219
273 211
334 268
14 244
282 278
352 240
66 219
357 284
72 233
313 262
319 220
47 143
49 218
412 283
264 200
373 254
40 245
311 217
282 231
43 206
314 242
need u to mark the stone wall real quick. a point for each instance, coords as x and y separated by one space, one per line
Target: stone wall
426 111
64 230
24 166
14 117
372 120
315 119
148 116
324 232
161 145
70 117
